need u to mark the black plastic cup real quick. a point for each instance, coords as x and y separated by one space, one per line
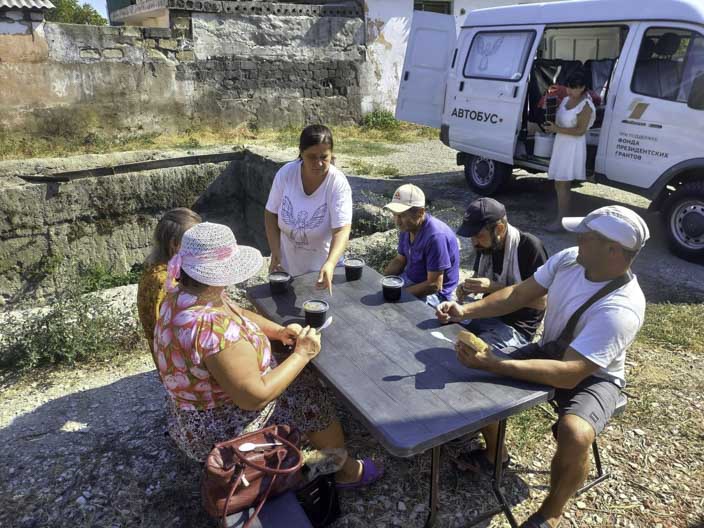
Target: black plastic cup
391 287
316 311
278 281
353 268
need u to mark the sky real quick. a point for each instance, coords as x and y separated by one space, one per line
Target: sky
99 5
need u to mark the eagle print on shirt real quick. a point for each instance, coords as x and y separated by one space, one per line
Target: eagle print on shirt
300 223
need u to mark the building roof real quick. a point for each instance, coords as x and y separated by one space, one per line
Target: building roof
26 4
585 11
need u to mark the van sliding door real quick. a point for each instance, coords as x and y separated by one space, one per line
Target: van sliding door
484 110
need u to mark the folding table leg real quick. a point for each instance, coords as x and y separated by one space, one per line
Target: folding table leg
434 486
496 484
498 474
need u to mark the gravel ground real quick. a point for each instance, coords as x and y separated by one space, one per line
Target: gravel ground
86 446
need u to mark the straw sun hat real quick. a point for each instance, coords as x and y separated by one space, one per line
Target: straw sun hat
209 253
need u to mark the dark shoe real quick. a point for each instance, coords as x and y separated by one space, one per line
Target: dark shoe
476 462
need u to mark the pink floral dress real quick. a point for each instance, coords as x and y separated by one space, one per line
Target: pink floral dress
200 413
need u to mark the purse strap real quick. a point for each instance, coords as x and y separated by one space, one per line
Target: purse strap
280 455
566 336
271 471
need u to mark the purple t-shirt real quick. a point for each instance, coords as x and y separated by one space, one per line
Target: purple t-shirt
435 248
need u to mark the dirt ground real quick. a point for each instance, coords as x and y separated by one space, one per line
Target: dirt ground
87 446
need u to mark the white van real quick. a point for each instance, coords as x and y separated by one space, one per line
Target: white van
643 59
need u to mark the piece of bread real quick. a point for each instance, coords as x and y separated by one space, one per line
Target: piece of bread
473 342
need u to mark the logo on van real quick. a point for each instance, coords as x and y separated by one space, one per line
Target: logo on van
476 115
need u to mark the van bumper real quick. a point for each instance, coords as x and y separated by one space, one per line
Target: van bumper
445 134
463 158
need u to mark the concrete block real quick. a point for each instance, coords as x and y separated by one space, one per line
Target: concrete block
89 53
185 56
168 44
156 55
131 31
161 33
113 53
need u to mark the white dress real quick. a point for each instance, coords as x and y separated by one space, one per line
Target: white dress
569 153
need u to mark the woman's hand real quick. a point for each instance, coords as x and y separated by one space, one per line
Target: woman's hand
550 127
308 343
325 276
288 334
275 264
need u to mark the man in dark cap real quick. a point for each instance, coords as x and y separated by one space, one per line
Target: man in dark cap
503 256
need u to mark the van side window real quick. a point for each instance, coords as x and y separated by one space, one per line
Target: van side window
669 59
499 55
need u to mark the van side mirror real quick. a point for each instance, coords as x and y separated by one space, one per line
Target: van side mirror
696 93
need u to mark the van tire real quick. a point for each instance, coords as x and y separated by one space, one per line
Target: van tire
485 176
684 221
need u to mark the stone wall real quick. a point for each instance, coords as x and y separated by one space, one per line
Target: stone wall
47 231
208 68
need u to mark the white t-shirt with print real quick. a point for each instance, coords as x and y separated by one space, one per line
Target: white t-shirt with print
606 329
307 221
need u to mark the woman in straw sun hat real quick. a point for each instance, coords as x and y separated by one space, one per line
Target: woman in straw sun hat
214 358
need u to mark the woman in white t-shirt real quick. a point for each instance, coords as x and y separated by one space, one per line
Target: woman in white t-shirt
568 162
308 215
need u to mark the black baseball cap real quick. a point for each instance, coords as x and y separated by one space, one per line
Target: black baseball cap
479 214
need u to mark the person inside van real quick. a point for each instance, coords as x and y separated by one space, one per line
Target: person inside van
504 256
428 258
575 115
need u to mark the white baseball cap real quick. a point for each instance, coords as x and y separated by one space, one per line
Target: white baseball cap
614 222
405 197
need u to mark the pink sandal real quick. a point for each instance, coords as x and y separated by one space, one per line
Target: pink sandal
370 474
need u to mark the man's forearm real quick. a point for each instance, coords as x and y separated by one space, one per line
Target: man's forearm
499 303
395 267
550 372
424 288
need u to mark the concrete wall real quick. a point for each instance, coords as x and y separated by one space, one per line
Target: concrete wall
227 68
47 231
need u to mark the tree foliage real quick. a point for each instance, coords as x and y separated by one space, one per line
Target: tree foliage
71 12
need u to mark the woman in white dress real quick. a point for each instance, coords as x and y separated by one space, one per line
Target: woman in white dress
574 117
308 216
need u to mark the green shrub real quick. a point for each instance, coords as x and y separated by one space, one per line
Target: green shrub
379 252
75 327
99 277
380 120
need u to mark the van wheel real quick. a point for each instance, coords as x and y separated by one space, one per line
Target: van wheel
486 176
684 220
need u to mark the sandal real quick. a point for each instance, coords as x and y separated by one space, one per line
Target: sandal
536 521
476 462
371 472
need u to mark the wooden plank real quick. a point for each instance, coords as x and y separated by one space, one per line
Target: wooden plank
405 385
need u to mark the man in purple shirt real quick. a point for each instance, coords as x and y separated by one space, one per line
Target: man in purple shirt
428 257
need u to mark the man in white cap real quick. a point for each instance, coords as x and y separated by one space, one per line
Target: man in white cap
588 373
428 258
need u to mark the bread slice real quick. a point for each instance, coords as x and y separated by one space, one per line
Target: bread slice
472 341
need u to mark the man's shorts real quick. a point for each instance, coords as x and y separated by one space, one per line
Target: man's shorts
593 400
